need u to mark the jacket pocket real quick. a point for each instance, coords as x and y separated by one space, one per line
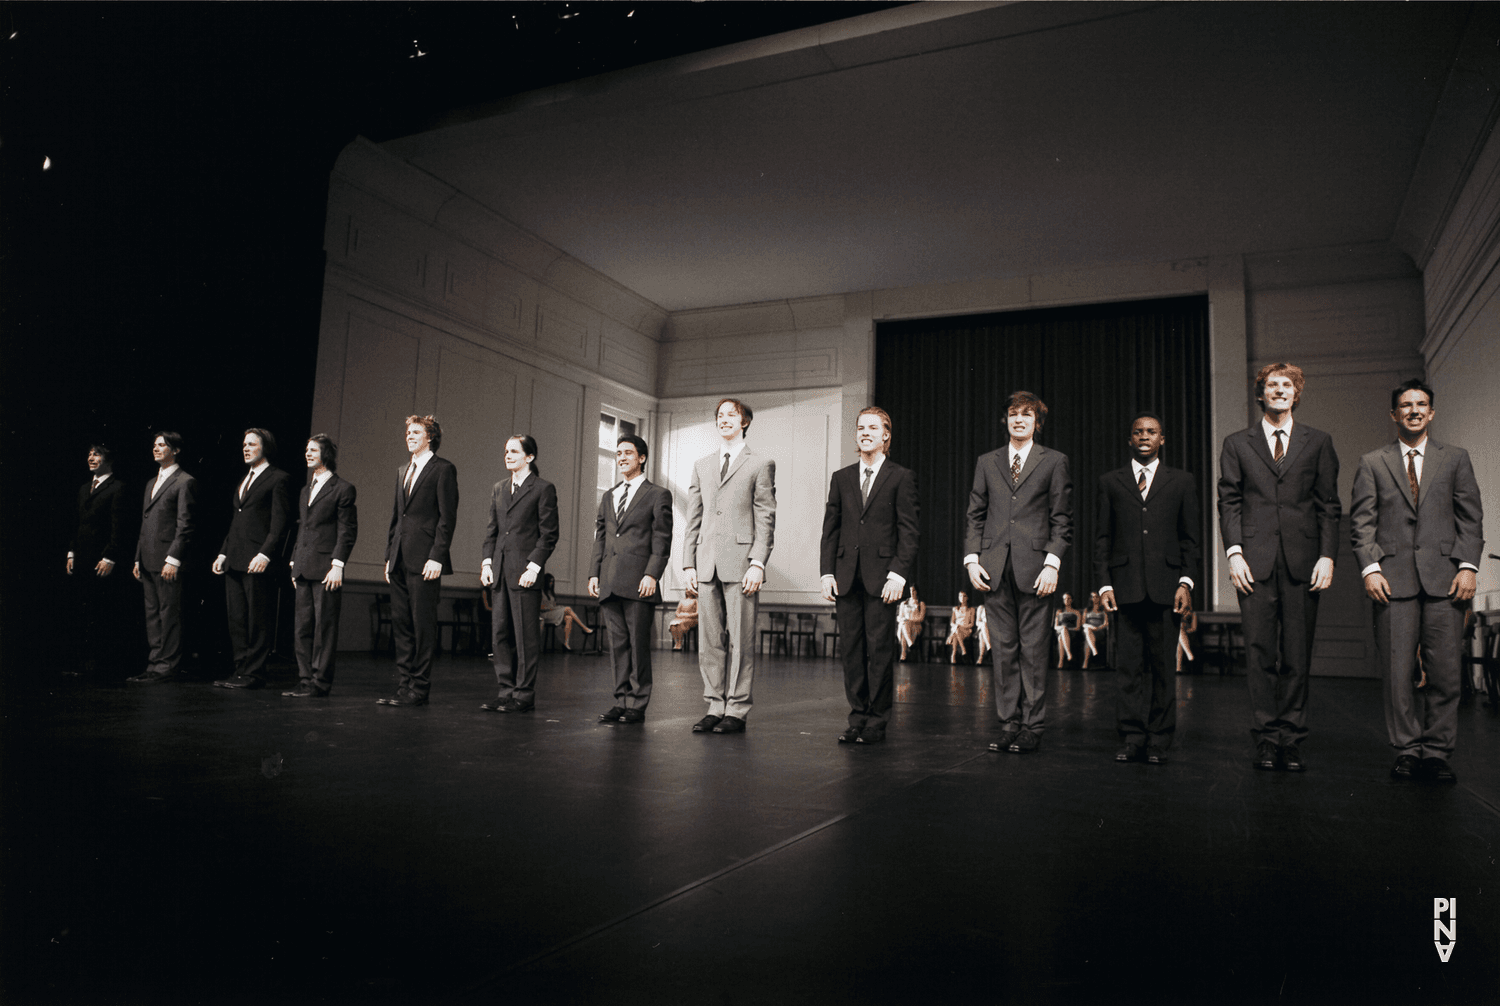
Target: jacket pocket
744 539
1446 547
1118 560
886 553
1040 544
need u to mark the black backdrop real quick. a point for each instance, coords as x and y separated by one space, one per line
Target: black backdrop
945 381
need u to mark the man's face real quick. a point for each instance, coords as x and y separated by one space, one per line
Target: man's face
1145 439
252 450
729 421
870 434
1280 393
628 461
163 454
95 460
515 455
416 438
1020 420
1412 413
313 454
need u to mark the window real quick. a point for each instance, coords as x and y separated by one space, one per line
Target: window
611 429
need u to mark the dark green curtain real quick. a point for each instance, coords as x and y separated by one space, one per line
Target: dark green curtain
945 381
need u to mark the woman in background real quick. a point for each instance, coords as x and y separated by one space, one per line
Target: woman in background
559 614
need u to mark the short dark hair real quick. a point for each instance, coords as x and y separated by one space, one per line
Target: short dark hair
267 441
430 424
1147 414
636 442
1027 402
1415 384
746 413
172 437
528 446
101 449
329 449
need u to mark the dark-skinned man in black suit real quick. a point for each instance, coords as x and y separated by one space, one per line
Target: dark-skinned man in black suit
1147 543
262 514
632 542
1279 519
99 541
868 549
162 547
328 524
423 516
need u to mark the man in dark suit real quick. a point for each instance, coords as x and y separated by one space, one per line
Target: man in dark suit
632 540
1020 524
1147 544
100 539
328 526
262 513
416 557
166 534
1418 535
1279 518
868 549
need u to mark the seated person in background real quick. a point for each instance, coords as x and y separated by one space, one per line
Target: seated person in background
981 632
1188 623
1095 622
1067 621
960 627
909 618
685 619
559 614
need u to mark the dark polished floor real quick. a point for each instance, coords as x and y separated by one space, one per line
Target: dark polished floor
186 844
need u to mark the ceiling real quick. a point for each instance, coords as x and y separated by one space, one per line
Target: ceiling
951 142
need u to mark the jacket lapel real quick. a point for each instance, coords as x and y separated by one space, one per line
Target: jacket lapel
881 478
516 496
151 500
1393 459
1258 446
635 499
1033 459
1294 444
734 465
1433 460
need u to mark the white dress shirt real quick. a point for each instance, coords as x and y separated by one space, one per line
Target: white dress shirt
420 462
626 489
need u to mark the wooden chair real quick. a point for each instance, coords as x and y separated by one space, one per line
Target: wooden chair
380 618
593 639
778 633
463 623
805 635
833 634
934 640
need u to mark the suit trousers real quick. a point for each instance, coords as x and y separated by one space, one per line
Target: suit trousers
250 599
516 636
867 632
629 622
726 646
414 606
1146 705
1425 723
1278 695
317 631
163 622
98 602
1020 632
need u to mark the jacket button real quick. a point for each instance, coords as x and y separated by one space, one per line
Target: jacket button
861 520
1144 531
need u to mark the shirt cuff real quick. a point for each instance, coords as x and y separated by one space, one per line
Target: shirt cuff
173 562
532 567
1052 561
221 558
262 557
830 576
70 555
1187 581
897 579
487 562
758 563
1468 565
971 557
1232 550
1373 567
336 562
1106 589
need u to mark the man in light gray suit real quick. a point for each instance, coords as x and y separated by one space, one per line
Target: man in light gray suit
731 521
1418 535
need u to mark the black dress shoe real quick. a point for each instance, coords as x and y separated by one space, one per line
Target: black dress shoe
155 678
1008 737
730 725
1406 767
498 706
305 691
849 736
1437 770
1130 752
871 735
242 681
631 716
1025 743
1267 757
706 724
1156 755
613 716
1291 758
516 706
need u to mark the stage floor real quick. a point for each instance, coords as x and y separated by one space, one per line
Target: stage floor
187 844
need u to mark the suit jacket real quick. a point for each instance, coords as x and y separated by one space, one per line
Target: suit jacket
522 529
327 529
877 537
103 524
1418 545
1296 508
636 546
1025 521
166 522
731 520
260 521
422 524
1145 547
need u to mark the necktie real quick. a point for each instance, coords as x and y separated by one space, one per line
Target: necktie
1280 451
1141 483
723 471
1411 472
245 486
620 507
411 474
1015 468
864 487
97 480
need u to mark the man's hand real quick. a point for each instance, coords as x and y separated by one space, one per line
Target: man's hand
978 577
1108 600
258 564
1183 602
1463 585
388 574
486 575
892 591
692 578
103 567
168 571
593 586
335 578
754 577
136 571
1239 574
647 587
1046 581
70 565
1322 575
1378 587
528 577
831 588
219 566
432 569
